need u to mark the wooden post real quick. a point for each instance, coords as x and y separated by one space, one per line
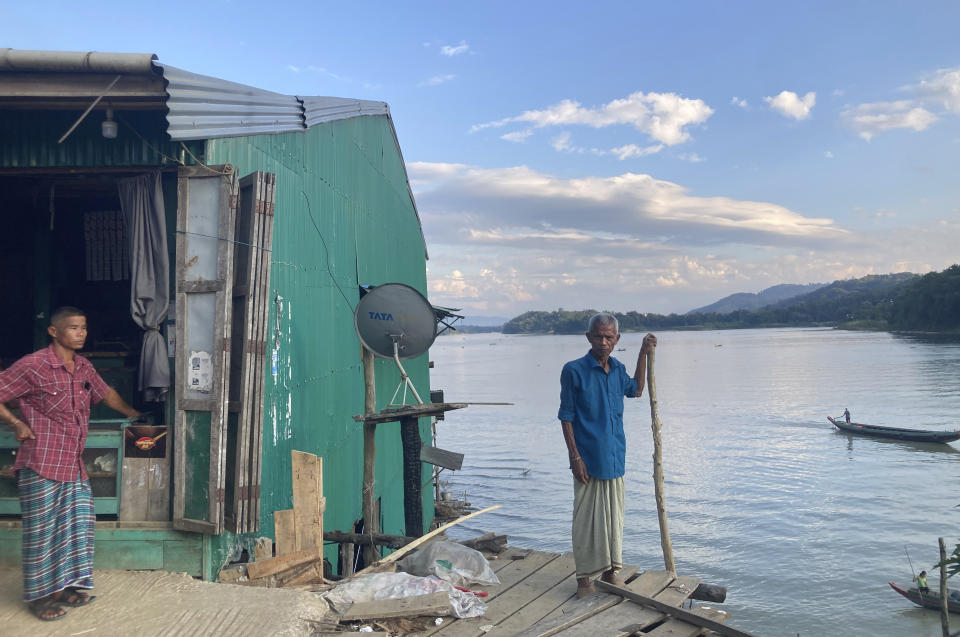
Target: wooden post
944 600
346 559
370 522
412 491
658 466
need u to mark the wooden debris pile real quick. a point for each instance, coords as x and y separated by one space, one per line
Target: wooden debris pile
295 559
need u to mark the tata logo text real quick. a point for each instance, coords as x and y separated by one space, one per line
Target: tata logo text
381 316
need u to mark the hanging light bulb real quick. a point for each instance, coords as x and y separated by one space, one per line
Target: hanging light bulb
108 128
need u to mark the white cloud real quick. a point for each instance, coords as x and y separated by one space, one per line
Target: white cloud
942 88
629 206
291 67
828 154
458 49
630 151
789 104
517 136
870 119
736 101
437 80
561 143
693 158
663 116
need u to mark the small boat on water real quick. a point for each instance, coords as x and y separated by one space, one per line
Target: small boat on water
931 599
898 433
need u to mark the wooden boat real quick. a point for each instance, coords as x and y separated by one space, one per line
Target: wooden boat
931 599
898 433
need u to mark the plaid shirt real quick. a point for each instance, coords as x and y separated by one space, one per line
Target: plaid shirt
56 405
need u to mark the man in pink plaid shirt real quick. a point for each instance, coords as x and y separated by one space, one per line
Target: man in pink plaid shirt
55 387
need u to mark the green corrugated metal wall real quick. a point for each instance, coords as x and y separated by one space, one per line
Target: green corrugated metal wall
29 140
343 217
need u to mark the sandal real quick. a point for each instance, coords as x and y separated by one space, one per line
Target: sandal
42 609
75 597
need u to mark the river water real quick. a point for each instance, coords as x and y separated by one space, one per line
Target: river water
803 524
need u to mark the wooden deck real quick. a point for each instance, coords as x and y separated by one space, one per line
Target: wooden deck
536 597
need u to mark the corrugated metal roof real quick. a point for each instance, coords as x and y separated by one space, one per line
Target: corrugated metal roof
317 110
204 107
75 61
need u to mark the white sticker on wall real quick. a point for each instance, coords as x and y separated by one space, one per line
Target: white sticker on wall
200 372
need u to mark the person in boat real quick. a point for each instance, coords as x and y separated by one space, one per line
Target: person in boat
592 389
846 414
921 581
55 387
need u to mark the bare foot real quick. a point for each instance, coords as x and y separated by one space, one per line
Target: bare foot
610 577
584 587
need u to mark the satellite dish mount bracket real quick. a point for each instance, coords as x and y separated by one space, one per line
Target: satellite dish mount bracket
405 381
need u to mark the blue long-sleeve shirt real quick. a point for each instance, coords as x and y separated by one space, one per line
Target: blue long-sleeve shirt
592 400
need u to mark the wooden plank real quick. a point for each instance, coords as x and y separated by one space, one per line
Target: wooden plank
133 504
550 601
620 620
433 604
441 457
268 211
677 592
672 611
577 610
678 628
307 490
284 531
239 352
252 354
396 555
651 583
625 619
379 539
409 411
280 563
507 606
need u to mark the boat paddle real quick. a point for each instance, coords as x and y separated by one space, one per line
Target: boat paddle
912 571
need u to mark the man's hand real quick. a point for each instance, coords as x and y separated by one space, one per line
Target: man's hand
23 431
649 342
579 469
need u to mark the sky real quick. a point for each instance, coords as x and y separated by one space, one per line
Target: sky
610 155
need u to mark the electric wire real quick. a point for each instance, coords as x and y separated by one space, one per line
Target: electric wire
326 252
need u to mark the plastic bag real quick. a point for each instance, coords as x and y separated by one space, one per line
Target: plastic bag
458 564
379 586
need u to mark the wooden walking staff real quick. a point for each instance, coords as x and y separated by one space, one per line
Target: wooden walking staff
658 466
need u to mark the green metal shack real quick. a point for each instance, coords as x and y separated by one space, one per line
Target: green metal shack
270 211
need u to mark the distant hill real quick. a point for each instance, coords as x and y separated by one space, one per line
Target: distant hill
751 301
902 301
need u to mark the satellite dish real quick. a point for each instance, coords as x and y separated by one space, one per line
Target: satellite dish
394 320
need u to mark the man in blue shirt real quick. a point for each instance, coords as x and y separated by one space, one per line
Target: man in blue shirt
592 389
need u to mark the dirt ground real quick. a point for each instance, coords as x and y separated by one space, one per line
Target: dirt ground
148 603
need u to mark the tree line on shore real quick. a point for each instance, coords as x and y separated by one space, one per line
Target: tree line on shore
900 302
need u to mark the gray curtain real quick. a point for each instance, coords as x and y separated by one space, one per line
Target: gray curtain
141 200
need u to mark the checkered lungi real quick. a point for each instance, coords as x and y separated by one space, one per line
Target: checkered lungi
57 534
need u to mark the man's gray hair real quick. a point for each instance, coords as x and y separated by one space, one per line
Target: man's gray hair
603 318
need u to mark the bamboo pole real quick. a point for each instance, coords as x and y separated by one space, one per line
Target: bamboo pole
371 524
944 600
658 466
